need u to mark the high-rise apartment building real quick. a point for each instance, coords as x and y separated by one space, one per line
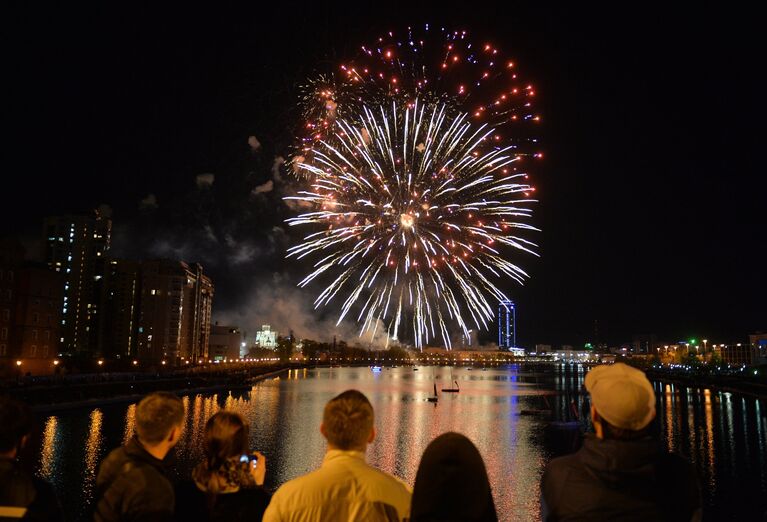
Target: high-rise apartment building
76 246
175 302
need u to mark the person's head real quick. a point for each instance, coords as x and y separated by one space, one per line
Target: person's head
15 426
160 420
347 422
452 483
622 401
226 436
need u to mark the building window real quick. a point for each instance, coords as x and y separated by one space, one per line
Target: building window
47 335
35 317
3 350
34 335
45 351
6 315
33 350
8 295
3 334
10 275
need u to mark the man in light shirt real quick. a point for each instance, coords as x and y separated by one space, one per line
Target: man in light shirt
345 487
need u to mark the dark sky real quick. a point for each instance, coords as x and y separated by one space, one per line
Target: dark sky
652 206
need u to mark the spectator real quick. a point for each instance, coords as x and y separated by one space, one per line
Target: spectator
22 495
345 488
452 483
621 472
132 483
225 488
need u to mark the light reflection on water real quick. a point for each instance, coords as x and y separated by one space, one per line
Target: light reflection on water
724 434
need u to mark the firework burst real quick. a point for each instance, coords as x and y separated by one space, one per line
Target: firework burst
431 64
416 208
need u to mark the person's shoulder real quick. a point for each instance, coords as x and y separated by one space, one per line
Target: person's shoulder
388 479
562 463
559 468
116 455
299 483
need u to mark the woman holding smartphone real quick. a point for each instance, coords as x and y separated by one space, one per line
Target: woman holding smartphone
229 482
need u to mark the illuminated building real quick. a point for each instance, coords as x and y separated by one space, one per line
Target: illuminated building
175 304
76 247
266 337
507 326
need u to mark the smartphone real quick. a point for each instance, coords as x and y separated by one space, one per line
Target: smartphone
248 458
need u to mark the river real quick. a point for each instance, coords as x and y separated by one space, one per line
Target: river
724 434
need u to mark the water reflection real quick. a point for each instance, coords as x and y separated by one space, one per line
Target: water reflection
130 423
48 467
93 447
725 435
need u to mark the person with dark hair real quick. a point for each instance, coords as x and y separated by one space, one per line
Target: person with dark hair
345 488
132 483
452 484
621 472
227 485
22 495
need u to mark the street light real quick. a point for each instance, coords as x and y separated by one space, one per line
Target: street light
704 345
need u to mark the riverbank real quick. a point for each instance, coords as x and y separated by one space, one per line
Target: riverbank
101 390
725 383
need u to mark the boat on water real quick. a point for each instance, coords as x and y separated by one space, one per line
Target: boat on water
433 398
415 369
452 390
375 368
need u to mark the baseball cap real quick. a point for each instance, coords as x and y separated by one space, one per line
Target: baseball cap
622 395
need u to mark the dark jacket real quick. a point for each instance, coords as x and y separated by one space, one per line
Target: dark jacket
247 504
25 496
132 485
625 480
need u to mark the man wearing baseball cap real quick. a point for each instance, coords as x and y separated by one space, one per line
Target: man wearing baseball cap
621 472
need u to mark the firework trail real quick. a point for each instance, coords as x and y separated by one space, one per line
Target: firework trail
415 206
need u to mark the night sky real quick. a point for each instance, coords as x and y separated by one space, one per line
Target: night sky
652 206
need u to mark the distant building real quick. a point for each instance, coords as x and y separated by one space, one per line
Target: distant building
739 354
30 309
759 342
175 312
225 342
11 259
266 337
644 343
541 349
36 328
76 247
120 309
507 325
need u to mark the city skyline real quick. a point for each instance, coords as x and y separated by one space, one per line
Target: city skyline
650 199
